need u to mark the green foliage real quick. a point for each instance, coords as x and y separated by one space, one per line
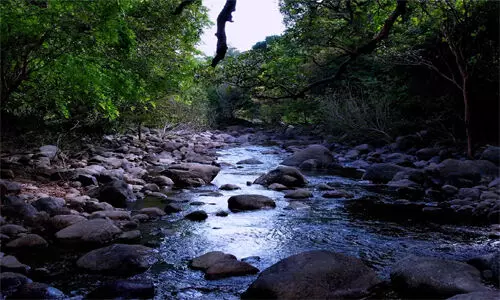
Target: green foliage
72 59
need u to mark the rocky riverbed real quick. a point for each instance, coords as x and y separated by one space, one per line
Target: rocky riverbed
199 214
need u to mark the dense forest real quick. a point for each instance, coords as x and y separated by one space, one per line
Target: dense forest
353 156
358 70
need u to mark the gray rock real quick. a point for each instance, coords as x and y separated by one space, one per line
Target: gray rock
489 265
152 212
10 263
299 194
11 282
12 229
287 176
320 153
229 187
250 161
130 236
62 221
49 151
96 231
37 290
337 194
472 193
208 259
427 153
50 205
28 242
124 289
162 181
491 153
116 193
218 265
172 208
197 215
381 173
314 275
249 202
434 277
117 259
191 174
452 169
9 187
277 187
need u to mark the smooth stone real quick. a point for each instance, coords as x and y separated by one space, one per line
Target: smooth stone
249 202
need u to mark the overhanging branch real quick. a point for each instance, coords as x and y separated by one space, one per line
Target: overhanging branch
180 8
224 16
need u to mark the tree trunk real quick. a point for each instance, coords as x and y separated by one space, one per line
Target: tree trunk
468 132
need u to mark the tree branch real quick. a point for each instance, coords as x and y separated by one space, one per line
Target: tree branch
224 16
182 6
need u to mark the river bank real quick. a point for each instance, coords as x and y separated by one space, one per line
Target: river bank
368 202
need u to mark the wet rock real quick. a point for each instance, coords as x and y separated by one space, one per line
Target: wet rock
140 218
427 153
62 221
417 176
86 179
37 290
450 190
12 230
162 181
489 265
222 213
191 174
319 153
116 193
299 194
111 214
486 295
249 202
28 242
10 263
337 194
229 187
381 173
130 236
287 176
217 265
277 187
50 205
314 275
406 188
9 187
197 215
11 282
96 231
472 193
249 161
117 259
152 212
452 170
492 154
124 289
151 187
363 148
434 277
93 206
399 159
324 187
172 208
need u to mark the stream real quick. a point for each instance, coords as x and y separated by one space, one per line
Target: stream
264 237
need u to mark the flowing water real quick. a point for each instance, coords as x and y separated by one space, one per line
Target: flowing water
266 236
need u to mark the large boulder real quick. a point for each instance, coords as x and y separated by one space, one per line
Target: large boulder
382 173
28 242
115 192
491 153
314 275
124 289
96 231
322 156
433 277
117 259
452 169
191 174
249 202
287 176
50 205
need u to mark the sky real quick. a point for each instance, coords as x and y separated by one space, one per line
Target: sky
253 21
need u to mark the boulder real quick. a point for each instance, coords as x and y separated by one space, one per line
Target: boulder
152 212
208 259
485 295
49 151
491 153
319 153
249 161
117 259
162 181
191 174
299 194
172 208
10 263
28 242
197 215
229 187
249 202
37 290
116 193
12 229
96 231
51 205
314 275
124 289
427 153
434 277
452 169
287 176
489 265
381 173
217 264
62 221
10 282
277 187
9 187
111 214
